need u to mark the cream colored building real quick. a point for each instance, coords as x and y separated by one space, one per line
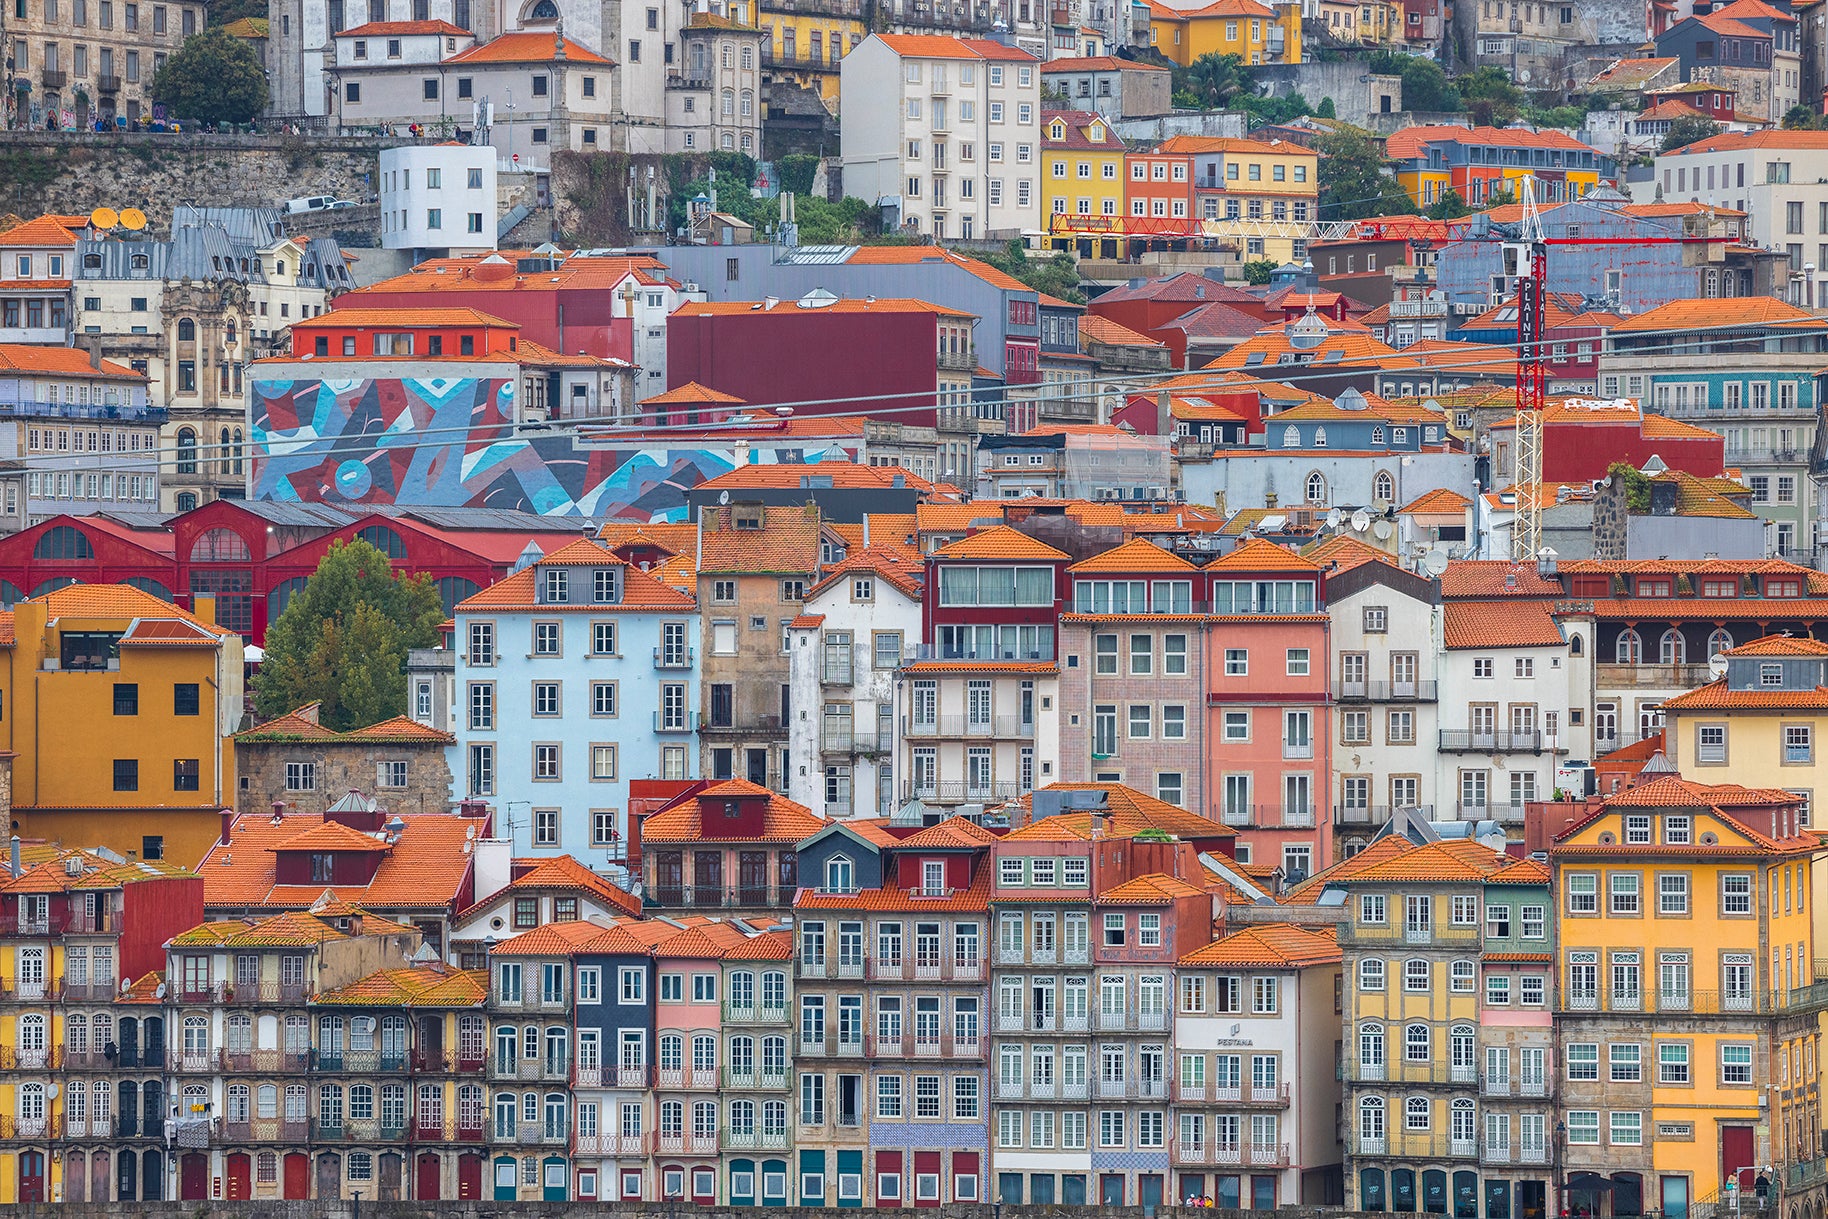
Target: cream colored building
92 58
715 101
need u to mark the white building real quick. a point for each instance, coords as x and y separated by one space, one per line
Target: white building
438 200
1385 625
856 625
1511 672
1773 175
944 133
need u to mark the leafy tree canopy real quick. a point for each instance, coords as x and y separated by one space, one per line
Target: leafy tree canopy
1450 206
343 640
1687 130
1425 85
1492 97
1055 274
213 78
1353 184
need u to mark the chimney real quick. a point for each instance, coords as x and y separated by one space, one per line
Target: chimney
228 826
1164 413
16 869
1663 497
279 810
95 356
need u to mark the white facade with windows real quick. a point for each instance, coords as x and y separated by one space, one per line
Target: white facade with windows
857 625
438 200
948 144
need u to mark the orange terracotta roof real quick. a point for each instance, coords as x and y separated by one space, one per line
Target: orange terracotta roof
433 985
1500 624
1248 147
901 568
294 726
1000 542
1099 63
427 867
1496 578
1128 812
952 834
1259 554
552 940
1715 697
1150 889
1268 945
1703 315
1521 872
527 46
566 874
784 821
45 231
641 591
1442 500
1781 645
59 361
1435 863
692 394
1342 552
890 896
768 946
1135 555
453 315
787 544
843 474
389 29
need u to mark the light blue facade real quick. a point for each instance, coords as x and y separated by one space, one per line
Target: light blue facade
574 676
1369 434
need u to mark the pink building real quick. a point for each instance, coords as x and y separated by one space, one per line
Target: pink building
1268 730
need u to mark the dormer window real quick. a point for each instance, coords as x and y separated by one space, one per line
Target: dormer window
933 876
840 875
1654 588
1783 588
1059 132
747 516
1771 676
558 586
609 586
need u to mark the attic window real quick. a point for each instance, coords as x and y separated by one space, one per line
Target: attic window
748 516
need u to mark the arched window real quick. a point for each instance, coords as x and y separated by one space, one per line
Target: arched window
1371 1045
236 452
196 1035
139 262
219 546
187 330
31 1035
1371 1118
63 542
747 107
147 584
1371 973
228 333
92 262
222 449
1291 437
187 500
1320 438
840 874
1418 1043
742 1117
52 585
1317 488
1417 1113
187 452
282 593
384 540
10 594
1377 435
672 1052
451 590
1462 1053
1630 649
727 102
545 10
1672 649
1575 645
1720 641
728 142
31 1108
1383 487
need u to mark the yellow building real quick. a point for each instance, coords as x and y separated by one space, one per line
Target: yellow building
1361 22
1687 1017
117 708
1411 934
804 43
1255 33
1082 178
1261 195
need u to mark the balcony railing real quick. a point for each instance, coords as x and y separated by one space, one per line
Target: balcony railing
910 1046
755 1140
685 1144
908 970
1377 814
699 897
1131 1022
1465 740
1249 1155
1668 677
1016 1089
764 1080
1386 691
529 1069
742 725
1801 1000
529 1001
749 1013
679 1080
673 658
1001 727
1267 816
265 1130
1394 933
955 792
610 1144
1400 1072
267 992
1130 1089
1275 1095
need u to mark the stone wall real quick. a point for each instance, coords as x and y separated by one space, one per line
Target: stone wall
341 769
76 173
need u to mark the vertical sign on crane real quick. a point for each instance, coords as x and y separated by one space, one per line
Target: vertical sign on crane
1527 261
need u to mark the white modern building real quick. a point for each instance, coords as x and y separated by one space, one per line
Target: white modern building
855 627
944 133
1385 625
438 200
1773 175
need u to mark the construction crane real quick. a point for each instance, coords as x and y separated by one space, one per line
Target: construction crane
1524 248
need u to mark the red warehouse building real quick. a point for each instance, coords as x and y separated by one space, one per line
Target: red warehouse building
900 358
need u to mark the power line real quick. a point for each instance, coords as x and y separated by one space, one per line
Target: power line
509 432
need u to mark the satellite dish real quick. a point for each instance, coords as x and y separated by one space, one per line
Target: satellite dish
104 218
1435 561
1382 529
159 991
133 218
723 497
1716 665
1334 516
52 1091
1361 520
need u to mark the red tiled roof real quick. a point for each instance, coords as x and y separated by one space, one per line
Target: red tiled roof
1500 624
427 867
1135 555
1269 945
1150 889
390 29
1000 542
433 985
1099 63
527 46
784 822
1128 812
641 591
1260 554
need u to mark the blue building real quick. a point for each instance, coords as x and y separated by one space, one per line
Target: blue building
1356 424
574 675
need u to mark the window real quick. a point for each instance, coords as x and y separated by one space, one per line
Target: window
1672 1063
1672 893
1736 1065
1583 1127
1583 893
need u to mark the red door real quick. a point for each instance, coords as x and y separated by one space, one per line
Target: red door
469 1177
193 1177
298 1176
238 1176
1736 1154
31 1176
430 1174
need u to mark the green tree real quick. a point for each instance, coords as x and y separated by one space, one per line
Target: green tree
213 78
1801 118
1056 274
1492 97
796 171
224 12
1325 110
1687 130
1353 183
1504 196
1211 81
1259 270
343 639
1425 85
1450 206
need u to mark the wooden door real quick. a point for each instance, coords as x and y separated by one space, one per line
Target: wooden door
193 1177
430 1181
298 1176
239 1177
